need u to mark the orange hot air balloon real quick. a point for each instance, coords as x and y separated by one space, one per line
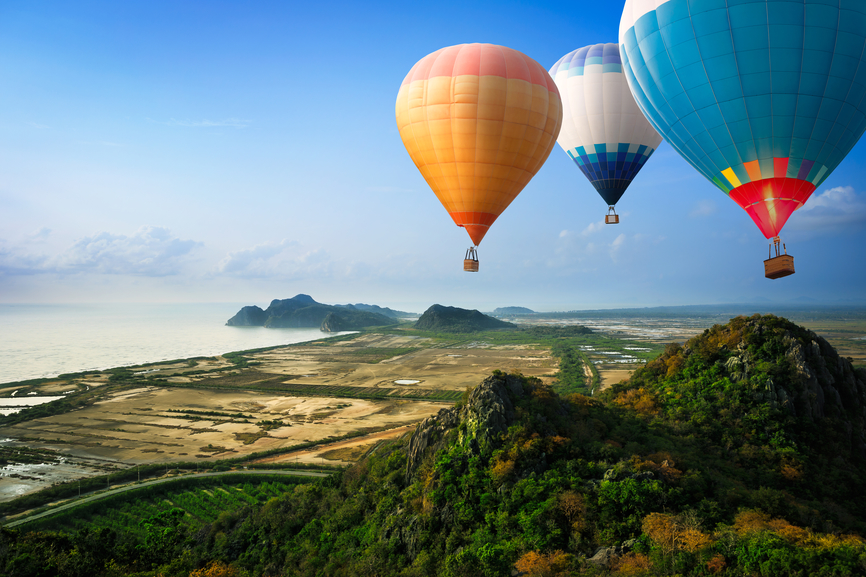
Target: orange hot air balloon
478 120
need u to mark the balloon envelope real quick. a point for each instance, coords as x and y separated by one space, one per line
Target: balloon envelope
478 120
603 131
764 98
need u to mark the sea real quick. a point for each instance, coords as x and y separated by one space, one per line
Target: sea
40 341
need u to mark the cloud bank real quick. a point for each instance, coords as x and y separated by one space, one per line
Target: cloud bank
150 251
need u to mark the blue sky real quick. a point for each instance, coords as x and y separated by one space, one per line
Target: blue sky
240 152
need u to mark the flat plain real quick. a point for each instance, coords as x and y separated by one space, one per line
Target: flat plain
325 401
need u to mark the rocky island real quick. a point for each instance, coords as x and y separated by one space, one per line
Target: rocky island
457 320
302 311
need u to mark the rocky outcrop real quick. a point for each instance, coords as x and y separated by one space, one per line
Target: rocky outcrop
479 424
822 387
350 320
504 311
248 317
388 312
302 311
605 556
456 320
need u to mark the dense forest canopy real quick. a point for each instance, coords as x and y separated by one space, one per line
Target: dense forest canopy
742 452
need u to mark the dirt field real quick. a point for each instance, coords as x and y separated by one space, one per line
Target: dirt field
149 424
232 411
379 360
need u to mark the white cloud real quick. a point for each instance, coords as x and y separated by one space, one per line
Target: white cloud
616 246
259 260
703 208
14 261
833 209
593 228
40 234
150 251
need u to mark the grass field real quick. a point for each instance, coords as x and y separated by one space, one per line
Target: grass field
202 501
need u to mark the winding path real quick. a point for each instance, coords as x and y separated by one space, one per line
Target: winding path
132 487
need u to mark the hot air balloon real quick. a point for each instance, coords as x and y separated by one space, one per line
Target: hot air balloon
478 120
603 130
764 98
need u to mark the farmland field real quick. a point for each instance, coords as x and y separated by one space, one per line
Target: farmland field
325 401
201 500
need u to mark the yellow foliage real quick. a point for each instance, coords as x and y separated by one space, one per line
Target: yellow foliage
216 569
674 365
792 472
573 506
502 469
674 533
632 564
638 400
790 532
717 564
662 529
544 565
693 540
751 522
756 521
660 463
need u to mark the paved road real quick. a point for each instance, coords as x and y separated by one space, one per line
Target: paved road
135 486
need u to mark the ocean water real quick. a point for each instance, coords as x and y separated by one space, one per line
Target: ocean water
48 340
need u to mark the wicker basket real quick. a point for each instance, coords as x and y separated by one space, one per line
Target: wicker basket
779 266
611 219
470 265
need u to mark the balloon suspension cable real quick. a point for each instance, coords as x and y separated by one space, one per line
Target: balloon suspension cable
780 265
776 242
470 261
611 209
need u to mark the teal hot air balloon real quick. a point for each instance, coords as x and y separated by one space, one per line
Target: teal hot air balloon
603 131
763 97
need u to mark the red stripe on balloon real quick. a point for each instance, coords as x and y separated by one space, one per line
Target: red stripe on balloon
771 201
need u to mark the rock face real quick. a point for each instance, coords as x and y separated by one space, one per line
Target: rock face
487 414
351 320
822 388
388 312
248 317
456 320
513 311
302 311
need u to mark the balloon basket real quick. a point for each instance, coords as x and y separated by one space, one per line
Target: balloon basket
612 217
470 261
778 266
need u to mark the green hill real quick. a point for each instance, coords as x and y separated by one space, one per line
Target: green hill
302 311
444 319
740 453
350 320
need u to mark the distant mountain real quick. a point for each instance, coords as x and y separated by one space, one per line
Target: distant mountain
351 320
513 311
380 310
302 311
455 320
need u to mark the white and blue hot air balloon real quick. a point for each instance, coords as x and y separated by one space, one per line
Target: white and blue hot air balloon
603 130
